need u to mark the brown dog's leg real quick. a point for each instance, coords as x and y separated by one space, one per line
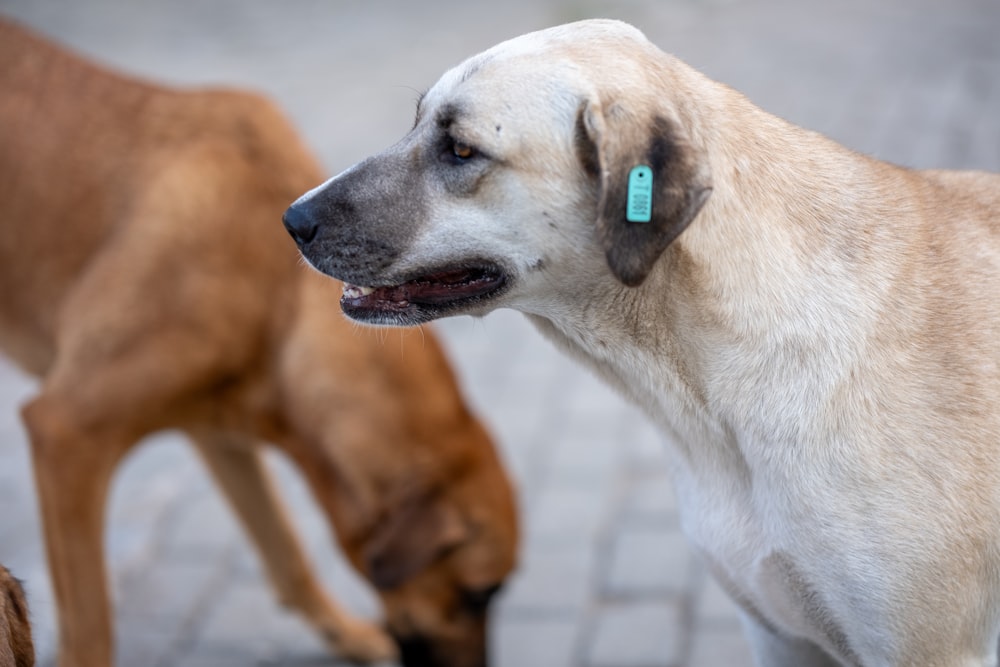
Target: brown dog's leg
73 468
239 470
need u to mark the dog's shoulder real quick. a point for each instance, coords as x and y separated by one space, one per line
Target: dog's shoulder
964 198
981 188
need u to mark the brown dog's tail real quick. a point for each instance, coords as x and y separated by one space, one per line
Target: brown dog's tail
16 647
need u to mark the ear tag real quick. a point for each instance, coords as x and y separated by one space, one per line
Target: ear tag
640 194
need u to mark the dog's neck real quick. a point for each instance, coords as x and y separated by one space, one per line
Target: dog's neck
746 307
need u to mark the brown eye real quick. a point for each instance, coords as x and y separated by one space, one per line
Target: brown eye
462 151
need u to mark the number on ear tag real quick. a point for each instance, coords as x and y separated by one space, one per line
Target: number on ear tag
640 194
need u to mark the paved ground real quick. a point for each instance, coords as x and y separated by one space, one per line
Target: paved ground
606 579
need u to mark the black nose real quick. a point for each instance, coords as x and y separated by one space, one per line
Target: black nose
415 652
300 224
421 652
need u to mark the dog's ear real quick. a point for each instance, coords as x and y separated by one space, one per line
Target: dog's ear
412 537
609 145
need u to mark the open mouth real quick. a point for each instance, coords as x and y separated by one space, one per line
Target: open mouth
424 298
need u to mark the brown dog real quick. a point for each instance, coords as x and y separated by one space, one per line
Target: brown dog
16 648
816 332
144 275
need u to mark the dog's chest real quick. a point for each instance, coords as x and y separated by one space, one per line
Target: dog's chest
747 544
735 507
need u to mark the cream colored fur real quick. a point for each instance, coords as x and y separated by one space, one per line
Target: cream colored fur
820 345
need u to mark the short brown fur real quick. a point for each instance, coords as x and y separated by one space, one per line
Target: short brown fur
144 276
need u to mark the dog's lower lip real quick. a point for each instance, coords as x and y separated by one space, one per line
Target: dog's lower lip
434 291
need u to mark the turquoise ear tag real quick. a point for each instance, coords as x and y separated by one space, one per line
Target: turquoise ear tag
640 194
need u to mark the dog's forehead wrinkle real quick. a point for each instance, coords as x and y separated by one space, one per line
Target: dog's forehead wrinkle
448 114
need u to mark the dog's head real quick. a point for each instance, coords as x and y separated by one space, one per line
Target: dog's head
513 185
417 492
16 648
437 566
438 556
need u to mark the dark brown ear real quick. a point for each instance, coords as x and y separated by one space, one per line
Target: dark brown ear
411 538
609 145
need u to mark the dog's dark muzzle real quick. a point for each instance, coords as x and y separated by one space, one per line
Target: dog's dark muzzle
354 226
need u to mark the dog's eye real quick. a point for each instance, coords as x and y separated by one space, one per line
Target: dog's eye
459 151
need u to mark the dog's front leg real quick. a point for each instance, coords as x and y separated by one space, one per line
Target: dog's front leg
237 466
73 465
773 650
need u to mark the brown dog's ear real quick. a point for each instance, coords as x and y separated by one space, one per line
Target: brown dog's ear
609 145
413 537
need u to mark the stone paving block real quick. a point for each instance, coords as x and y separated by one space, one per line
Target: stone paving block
650 498
169 591
153 479
141 643
247 623
720 648
234 611
535 642
203 524
566 514
645 449
234 659
713 606
586 461
18 503
557 580
17 386
642 634
647 560
524 440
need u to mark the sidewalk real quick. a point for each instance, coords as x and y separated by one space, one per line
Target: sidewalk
606 577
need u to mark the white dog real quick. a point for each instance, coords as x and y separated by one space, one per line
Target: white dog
817 331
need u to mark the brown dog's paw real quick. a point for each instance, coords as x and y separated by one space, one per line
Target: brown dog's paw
363 642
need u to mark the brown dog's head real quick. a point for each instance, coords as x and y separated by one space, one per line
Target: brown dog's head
419 498
437 561
441 548
512 188
16 648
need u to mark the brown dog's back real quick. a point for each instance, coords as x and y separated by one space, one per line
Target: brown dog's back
175 159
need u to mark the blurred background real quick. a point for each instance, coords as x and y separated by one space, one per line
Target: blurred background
606 579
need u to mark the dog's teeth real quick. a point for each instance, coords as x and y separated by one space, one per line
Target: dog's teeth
355 292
